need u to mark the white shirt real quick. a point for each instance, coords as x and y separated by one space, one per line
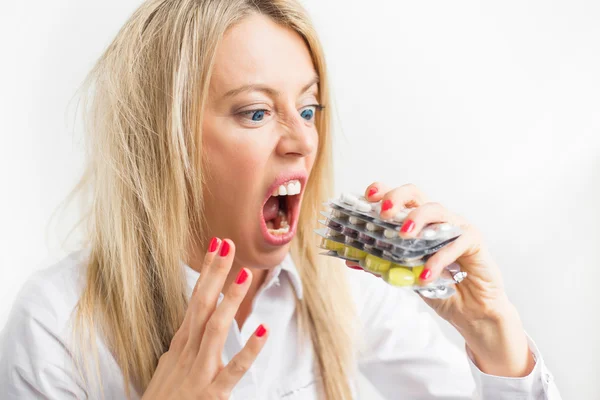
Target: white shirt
404 354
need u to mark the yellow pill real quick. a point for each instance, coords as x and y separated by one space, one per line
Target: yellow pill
351 252
331 245
417 271
401 277
376 264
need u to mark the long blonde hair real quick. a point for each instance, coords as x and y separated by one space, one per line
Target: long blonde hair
144 105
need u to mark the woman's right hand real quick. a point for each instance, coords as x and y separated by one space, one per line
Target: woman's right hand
192 367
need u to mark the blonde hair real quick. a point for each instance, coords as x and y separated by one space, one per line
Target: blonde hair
144 181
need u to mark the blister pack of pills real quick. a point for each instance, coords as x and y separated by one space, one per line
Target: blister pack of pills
355 231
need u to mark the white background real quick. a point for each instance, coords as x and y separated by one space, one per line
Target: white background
492 108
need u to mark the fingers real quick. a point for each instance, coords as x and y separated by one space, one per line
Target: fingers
239 365
216 267
217 327
355 265
406 196
414 224
180 339
393 203
422 216
375 191
465 245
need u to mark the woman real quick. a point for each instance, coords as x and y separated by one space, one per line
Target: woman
197 282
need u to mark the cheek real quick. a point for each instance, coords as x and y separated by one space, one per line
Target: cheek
232 156
234 169
235 164
310 160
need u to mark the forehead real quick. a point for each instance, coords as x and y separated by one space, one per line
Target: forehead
259 51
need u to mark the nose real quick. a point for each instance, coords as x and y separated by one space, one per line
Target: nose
298 139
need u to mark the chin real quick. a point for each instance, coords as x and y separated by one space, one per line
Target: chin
263 258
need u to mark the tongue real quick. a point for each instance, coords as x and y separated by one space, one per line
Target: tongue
270 208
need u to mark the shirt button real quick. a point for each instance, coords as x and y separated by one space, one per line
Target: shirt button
548 377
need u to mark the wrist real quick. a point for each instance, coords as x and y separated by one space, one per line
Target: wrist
497 342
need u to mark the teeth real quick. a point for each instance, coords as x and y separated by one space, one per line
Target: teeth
281 231
290 188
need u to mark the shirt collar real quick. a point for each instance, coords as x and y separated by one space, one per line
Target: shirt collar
286 265
289 267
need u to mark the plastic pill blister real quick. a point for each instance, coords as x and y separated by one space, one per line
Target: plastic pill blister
354 230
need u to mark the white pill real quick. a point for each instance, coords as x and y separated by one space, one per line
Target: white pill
349 198
363 206
376 207
400 217
390 233
355 221
371 227
428 233
336 213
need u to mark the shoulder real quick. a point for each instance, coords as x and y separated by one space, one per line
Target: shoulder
44 306
53 291
36 345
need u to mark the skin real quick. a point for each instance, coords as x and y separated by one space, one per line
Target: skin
255 52
243 160
480 310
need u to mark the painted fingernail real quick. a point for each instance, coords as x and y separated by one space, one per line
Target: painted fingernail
372 191
224 249
386 205
408 226
214 242
260 331
242 276
425 274
354 267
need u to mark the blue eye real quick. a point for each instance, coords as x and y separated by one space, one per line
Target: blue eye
308 113
258 115
254 115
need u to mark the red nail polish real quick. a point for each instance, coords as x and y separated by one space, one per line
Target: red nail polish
407 226
224 248
372 191
242 276
214 242
386 205
260 331
425 274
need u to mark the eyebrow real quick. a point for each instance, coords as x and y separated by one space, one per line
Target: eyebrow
266 89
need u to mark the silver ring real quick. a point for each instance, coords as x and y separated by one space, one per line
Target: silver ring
459 276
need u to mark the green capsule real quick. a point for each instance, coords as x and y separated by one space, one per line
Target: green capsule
351 252
331 245
376 264
400 277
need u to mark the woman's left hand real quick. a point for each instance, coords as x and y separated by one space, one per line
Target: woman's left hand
480 309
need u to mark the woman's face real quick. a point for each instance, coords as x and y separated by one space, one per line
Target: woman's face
259 138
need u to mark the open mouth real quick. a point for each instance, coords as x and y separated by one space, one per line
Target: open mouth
280 211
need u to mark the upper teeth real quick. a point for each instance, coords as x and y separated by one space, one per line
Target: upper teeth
289 188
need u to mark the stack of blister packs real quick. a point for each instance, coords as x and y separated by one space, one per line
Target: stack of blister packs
355 231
